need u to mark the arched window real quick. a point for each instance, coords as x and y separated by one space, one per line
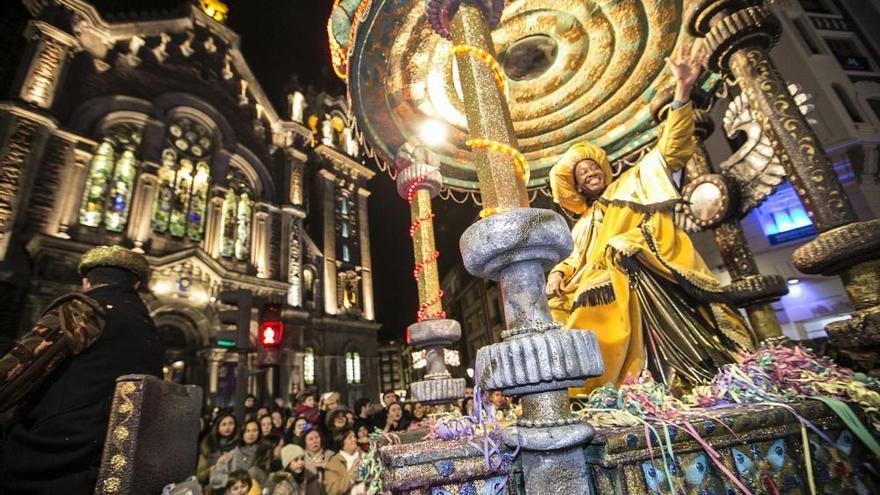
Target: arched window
179 208
309 366
353 367
236 218
107 195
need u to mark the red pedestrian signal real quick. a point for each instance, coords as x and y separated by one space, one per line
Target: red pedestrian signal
271 333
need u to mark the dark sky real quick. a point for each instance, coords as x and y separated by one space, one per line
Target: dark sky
281 38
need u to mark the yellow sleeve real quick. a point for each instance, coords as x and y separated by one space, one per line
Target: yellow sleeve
676 143
569 266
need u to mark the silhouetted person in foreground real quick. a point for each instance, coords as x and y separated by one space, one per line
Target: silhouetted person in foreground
61 376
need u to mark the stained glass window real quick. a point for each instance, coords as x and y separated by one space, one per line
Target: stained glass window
345 254
184 178
309 366
353 367
345 232
236 218
243 229
112 171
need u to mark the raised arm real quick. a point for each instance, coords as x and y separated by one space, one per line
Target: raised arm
676 142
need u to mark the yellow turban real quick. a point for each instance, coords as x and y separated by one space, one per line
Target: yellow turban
562 183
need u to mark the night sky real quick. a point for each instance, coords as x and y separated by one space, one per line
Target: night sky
281 38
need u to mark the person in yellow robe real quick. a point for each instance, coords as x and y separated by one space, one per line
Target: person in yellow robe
634 278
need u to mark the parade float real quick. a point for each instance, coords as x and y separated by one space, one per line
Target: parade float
511 86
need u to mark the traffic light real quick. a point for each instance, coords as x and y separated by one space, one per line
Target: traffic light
239 318
271 326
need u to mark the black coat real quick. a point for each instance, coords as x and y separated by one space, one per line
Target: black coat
55 443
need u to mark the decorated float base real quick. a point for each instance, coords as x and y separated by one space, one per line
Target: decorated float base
763 447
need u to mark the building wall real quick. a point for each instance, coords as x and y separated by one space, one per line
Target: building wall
89 94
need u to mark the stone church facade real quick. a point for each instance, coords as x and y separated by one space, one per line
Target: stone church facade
155 135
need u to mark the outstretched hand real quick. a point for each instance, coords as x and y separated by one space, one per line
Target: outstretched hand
686 64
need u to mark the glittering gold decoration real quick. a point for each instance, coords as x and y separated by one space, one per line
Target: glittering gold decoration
120 433
521 166
115 256
111 485
426 275
117 462
606 65
127 388
488 115
124 408
486 58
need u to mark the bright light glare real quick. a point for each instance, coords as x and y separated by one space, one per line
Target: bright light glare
432 132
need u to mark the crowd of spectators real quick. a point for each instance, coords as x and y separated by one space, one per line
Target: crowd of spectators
313 446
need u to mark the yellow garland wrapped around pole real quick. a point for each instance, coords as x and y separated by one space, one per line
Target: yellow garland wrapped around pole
487 113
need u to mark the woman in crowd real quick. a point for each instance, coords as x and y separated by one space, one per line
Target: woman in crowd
316 455
395 421
265 425
277 418
341 472
337 419
220 440
298 428
267 459
262 411
295 479
241 457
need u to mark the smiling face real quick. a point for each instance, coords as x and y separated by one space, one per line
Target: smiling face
589 178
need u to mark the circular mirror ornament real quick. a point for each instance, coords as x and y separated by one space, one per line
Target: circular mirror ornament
707 200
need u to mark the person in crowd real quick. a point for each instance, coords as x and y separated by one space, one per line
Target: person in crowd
241 457
363 436
329 402
379 417
265 425
297 429
467 406
219 441
394 420
419 412
362 410
306 406
316 455
266 459
295 479
277 418
240 483
54 444
337 419
279 403
262 411
340 474
349 417
250 406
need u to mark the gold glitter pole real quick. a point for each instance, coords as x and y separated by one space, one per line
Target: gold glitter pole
425 253
487 113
